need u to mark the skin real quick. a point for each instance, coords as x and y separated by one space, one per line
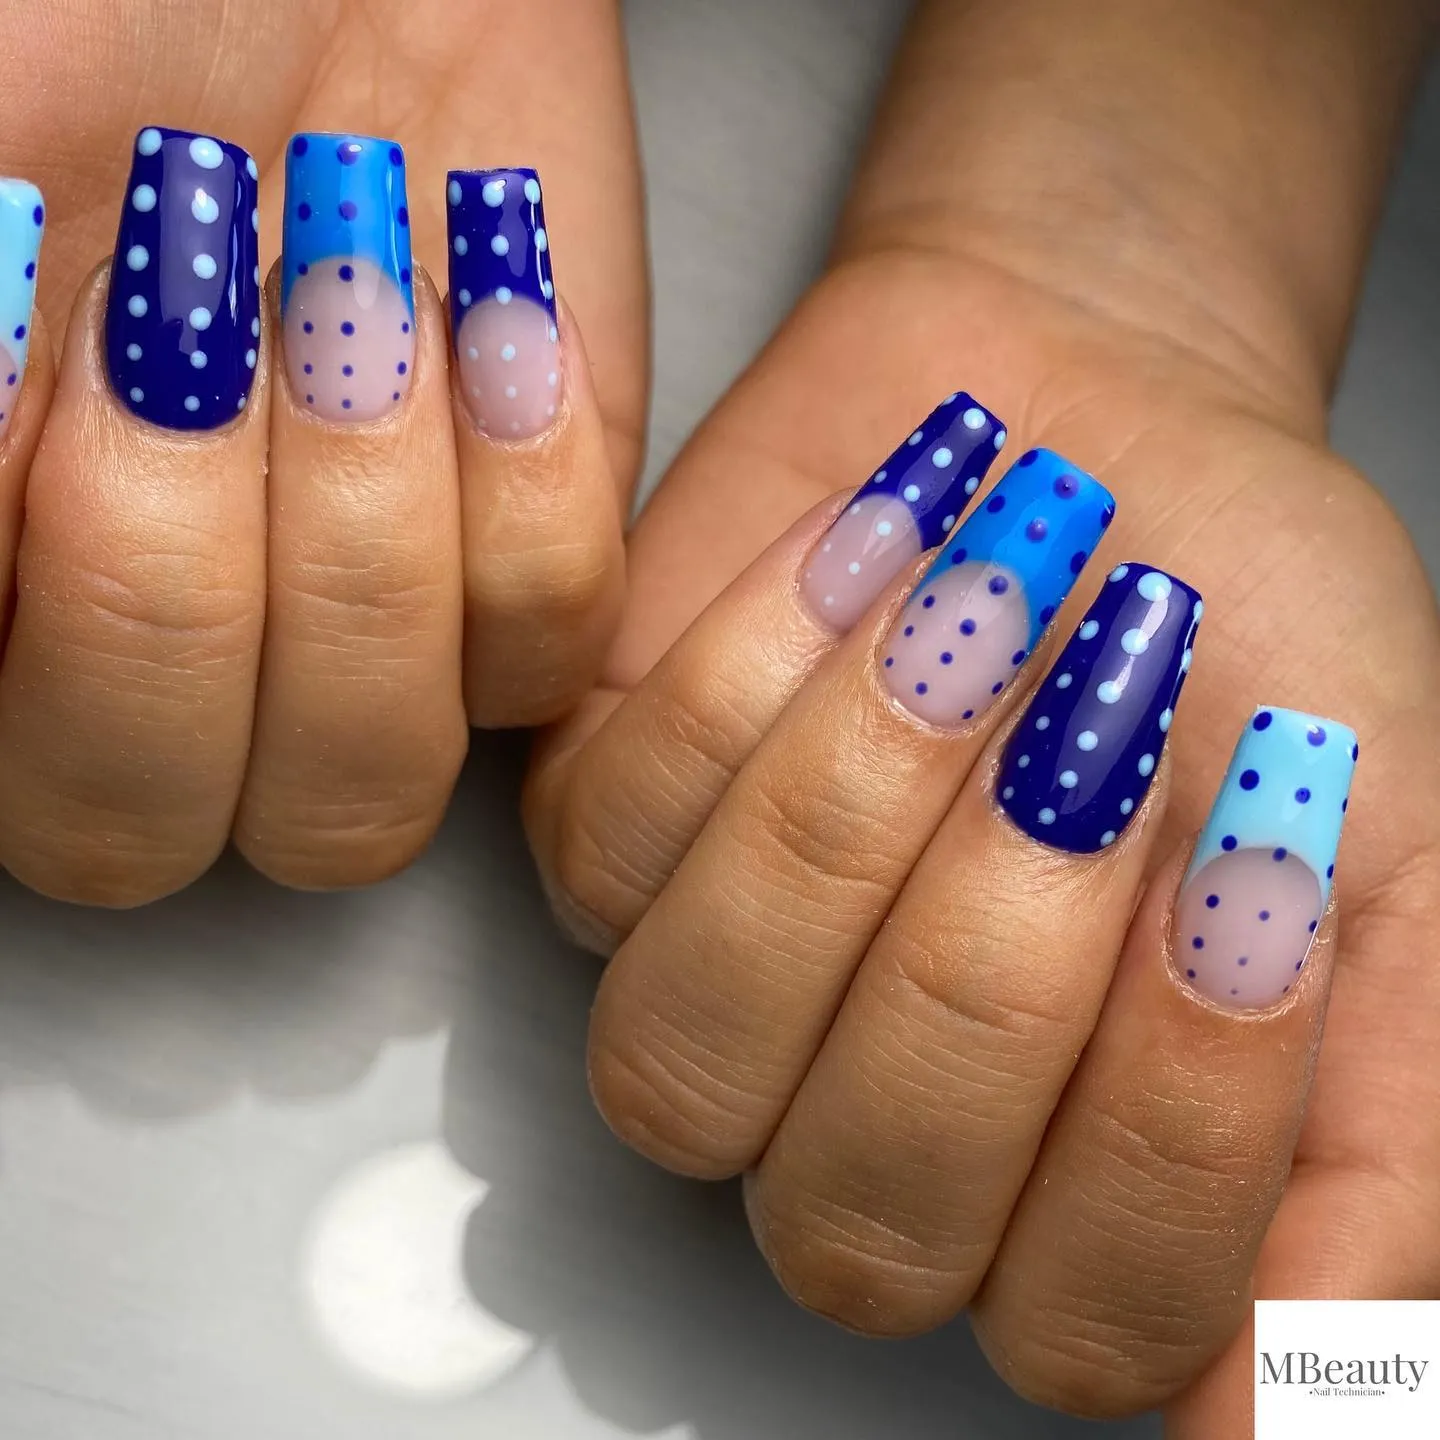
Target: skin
1154 275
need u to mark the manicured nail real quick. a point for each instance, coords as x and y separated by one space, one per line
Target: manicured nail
1260 878
346 298
182 326
502 302
1082 759
22 225
906 507
986 600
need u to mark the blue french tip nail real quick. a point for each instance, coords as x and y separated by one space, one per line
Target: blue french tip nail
182 324
22 226
1079 765
347 287
502 301
908 506
981 606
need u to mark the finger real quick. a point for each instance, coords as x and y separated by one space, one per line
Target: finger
543 545
128 685
360 725
888 1186
611 816
26 369
711 1012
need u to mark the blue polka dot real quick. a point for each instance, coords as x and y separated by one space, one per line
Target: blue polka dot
348 152
998 585
1077 562
1029 457
1249 779
909 630
1264 914
347 370
401 368
889 661
997 687
1198 943
1262 720
1047 614
958 558
928 602
1212 901
30 271
347 273
967 627
946 657
1303 795
1316 735
1066 486
397 155
347 327
1037 530
309 327
38 215
922 688
303 210
995 504
1229 842
348 210
1280 853
402 216
1330 872
968 715
299 145
1017 657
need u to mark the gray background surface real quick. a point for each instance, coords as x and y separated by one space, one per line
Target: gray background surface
289 1166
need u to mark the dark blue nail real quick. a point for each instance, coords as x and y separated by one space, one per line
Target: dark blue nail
182 324
1082 760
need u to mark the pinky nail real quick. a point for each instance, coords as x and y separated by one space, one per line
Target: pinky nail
22 225
502 302
906 507
1260 878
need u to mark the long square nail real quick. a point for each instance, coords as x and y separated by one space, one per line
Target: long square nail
982 605
347 297
502 302
1260 877
22 226
1081 761
909 505
182 325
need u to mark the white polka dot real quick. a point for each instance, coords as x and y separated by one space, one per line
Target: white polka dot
1089 630
137 394
554 334
137 305
1068 779
542 240
204 266
240 403
1086 740
1135 642
250 168
255 274
972 484
255 221
144 198
1064 682
916 438
1199 609
204 208
133 352
1046 816
255 327
911 493
1108 692
947 522
462 245
200 318
1008 793
853 567
250 358
951 399
504 294
493 193
532 190
1185 660
199 359
192 403
500 245
149 141
1023 762
1000 438
464 297
883 528
552 379
547 289
452 192
941 458
1166 716
137 257
206 153
511 392
507 352
1154 586
974 418
1119 572
1146 765
1126 806
1107 839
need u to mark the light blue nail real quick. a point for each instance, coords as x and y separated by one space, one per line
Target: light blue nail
22 226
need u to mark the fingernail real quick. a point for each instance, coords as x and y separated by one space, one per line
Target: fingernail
907 506
502 302
347 302
182 325
1260 878
979 609
1077 768
22 226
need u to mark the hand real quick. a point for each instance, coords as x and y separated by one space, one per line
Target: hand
1191 380
432 565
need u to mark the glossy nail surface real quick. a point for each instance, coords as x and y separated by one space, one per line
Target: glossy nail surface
347 298
22 226
1260 878
906 507
182 326
502 302
1083 757
986 600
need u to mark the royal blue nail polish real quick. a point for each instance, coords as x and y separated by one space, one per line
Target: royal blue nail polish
182 324
502 302
347 296
1082 759
906 507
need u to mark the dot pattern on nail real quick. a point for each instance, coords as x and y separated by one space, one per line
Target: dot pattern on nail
983 595
907 506
347 293
1095 753
22 226
188 195
502 297
1267 856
